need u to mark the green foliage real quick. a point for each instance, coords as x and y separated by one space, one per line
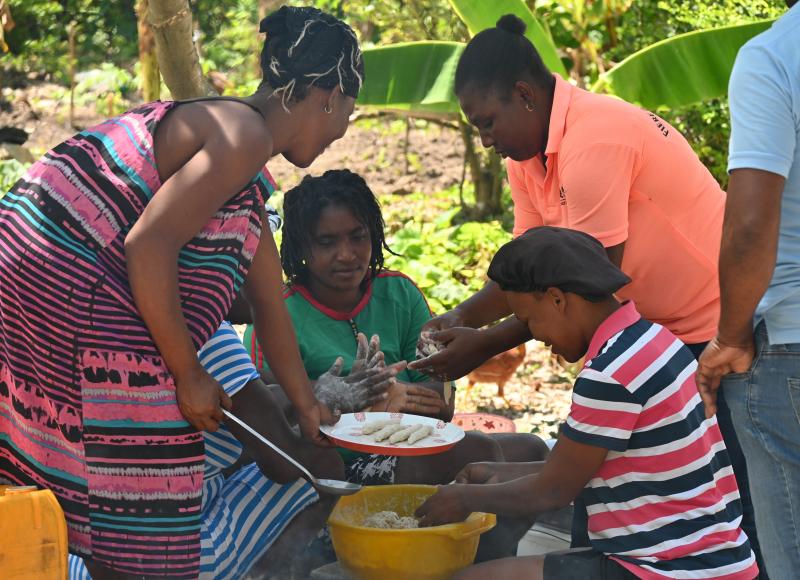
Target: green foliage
412 76
38 43
99 82
479 15
705 125
448 262
591 37
10 171
391 21
229 41
681 70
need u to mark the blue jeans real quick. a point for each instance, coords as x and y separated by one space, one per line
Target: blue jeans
765 407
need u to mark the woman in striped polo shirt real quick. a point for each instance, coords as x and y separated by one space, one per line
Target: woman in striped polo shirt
637 447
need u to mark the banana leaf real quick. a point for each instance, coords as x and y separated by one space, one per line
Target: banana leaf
481 14
682 70
412 77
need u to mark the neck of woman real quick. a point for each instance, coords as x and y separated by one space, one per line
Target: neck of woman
334 298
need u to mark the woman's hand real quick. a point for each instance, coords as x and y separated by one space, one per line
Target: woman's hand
448 505
444 321
310 420
358 391
464 351
410 398
201 399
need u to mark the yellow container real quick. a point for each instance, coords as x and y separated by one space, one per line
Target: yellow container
33 535
434 553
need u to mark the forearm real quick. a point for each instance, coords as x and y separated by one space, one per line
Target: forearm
282 401
748 250
484 307
282 353
153 276
274 328
240 312
257 405
523 496
508 470
504 336
747 261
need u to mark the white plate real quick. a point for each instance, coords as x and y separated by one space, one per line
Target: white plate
347 433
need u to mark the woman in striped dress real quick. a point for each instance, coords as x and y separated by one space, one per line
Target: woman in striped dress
120 252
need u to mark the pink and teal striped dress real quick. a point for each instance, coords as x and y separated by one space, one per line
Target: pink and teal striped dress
87 405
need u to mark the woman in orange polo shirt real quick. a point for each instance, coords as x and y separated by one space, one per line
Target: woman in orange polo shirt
602 166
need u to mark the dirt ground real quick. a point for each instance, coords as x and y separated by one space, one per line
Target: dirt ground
394 161
391 159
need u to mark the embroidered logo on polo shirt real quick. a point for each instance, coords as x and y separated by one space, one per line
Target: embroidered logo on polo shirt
660 124
562 196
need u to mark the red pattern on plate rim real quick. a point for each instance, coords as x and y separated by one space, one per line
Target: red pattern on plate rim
360 417
440 424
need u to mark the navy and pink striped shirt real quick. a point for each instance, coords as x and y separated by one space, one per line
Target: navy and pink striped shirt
665 503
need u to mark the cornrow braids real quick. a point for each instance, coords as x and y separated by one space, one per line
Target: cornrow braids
303 205
306 47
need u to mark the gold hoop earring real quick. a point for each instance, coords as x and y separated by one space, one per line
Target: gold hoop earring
328 109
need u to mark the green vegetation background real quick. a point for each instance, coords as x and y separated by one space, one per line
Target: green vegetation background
448 260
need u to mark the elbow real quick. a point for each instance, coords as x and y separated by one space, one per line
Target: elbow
136 245
144 249
748 230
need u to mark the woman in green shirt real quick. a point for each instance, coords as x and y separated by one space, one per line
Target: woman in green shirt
332 254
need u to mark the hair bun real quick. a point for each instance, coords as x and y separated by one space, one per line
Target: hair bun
512 23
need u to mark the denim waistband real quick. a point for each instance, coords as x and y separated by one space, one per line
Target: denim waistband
763 345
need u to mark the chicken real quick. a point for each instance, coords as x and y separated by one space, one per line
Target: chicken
498 369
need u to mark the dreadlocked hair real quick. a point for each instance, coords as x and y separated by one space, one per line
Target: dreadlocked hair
303 205
306 47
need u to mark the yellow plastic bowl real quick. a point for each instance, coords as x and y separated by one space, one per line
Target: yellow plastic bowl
434 553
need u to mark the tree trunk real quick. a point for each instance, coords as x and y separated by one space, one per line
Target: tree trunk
486 170
171 21
148 63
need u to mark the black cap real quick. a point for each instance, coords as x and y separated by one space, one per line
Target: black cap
547 257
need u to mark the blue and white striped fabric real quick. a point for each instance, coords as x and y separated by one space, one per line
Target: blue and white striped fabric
224 358
247 516
246 512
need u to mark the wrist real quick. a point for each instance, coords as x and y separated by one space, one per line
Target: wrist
189 372
741 337
306 407
487 341
461 316
473 498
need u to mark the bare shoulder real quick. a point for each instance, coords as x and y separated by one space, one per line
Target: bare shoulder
233 130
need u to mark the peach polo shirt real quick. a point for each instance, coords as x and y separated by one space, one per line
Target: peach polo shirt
622 174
